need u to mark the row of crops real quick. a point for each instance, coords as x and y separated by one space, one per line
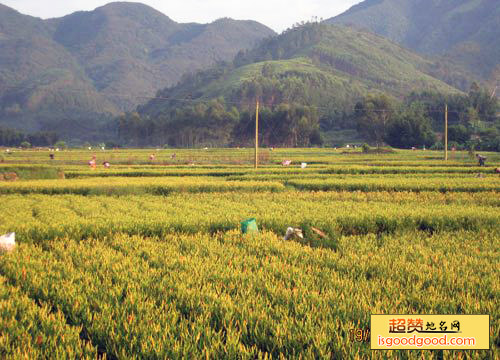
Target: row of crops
38 218
145 260
228 296
276 171
224 157
121 186
252 183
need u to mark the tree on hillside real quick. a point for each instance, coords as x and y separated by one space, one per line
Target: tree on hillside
471 119
288 125
129 126
10 137
410 128
372 116
294 125
471 110
459 134
43 138
483 103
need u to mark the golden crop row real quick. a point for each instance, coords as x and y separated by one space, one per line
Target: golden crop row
240 171
37 218
315 176
441 184
165 185
118 186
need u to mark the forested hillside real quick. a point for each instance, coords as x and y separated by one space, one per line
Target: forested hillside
38 78
131 48
309 81
74 73
463 32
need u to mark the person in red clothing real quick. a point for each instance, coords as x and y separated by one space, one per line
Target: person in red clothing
92 162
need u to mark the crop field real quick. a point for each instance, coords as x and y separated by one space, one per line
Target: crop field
146 259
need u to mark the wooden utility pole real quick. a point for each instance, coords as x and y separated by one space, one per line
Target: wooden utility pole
257 135
446 132
494 92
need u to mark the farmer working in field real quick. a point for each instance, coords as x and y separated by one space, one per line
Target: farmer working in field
481 159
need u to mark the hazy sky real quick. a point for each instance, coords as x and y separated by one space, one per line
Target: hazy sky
277 14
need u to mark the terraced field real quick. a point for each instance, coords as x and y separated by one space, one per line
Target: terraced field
146 259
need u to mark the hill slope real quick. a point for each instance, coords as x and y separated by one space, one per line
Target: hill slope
132 48
62 73
317 64
36 74
465 31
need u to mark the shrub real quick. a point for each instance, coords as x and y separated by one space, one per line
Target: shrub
61 145
438 145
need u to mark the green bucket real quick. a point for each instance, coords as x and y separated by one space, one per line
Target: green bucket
249 226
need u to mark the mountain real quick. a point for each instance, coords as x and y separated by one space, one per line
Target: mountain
37 74
70 74
133 49
312 82
462 32
316 64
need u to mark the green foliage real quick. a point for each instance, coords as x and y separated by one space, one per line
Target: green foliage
458 133
61 145
136 185
31 172
32 329
215 124
373 115
25 145
443 184
10 137
228 296
203 124
316 138
285 125
59 215
411 128
438 145
472 115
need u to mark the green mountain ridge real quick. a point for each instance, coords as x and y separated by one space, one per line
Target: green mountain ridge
89 66
309 81
76 73
320 65
462 32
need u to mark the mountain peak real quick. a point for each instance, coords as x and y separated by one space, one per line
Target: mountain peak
18 25
130 9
